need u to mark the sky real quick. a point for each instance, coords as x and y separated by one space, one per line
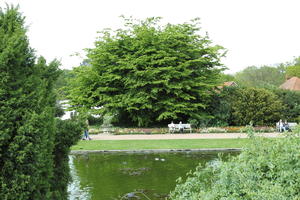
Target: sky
254 32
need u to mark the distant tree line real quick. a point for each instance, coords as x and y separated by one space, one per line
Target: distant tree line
265 76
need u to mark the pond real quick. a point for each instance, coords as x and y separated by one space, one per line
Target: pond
106 176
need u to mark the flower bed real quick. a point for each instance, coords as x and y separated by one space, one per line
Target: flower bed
213 130
123 131
228 129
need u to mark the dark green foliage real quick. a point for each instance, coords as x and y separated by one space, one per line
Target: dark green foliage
149 73
220 107
291 103
26 126
240 106
262 77
266 169
259 106
68 132
95 120
59 111
61 83
27 109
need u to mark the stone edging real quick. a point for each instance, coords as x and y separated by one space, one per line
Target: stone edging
78 152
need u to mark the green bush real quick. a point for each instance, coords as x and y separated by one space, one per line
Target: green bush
68 133
239 106
220 107
291 103
267 169
260 106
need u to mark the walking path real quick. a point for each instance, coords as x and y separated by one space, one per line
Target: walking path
179 136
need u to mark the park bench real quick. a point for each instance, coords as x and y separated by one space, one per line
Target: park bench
292 125
176 127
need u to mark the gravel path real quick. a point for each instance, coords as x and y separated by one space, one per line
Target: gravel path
179 136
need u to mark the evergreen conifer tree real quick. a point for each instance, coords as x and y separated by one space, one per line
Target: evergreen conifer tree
27 126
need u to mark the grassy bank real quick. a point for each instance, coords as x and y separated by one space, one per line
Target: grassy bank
159 144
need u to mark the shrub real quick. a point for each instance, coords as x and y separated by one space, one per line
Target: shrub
238 106
257 105
68 133
291 103
266 169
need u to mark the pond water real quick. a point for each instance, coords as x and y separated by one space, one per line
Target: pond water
105 176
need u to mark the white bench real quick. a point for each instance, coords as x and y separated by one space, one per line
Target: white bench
178 127
292 125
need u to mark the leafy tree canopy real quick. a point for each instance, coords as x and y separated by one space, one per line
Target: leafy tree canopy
291 103
61 83
294 68
226 77
149 72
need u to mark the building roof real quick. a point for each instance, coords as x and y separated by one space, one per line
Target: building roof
230 83
291 84
226 84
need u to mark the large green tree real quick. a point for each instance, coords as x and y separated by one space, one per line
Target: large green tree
148 73
26 125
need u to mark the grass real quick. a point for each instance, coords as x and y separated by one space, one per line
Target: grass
160 144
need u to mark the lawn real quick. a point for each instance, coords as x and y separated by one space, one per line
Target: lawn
160 144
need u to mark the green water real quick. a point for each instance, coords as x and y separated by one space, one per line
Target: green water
112 176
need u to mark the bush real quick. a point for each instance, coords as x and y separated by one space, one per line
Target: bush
266 169
68 133
260 106
291 103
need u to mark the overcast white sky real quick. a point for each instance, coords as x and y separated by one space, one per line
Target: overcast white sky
255 32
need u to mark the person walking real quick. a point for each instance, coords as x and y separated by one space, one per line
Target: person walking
86 131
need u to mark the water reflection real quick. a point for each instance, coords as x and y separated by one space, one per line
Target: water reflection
76 192
113 176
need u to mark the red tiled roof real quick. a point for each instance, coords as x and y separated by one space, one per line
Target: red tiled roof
291 84
226 84
229 83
